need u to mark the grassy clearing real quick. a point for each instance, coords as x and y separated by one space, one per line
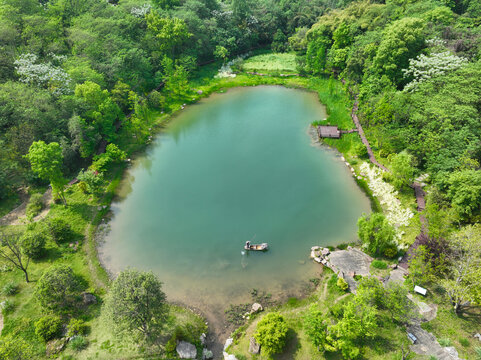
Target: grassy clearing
271 64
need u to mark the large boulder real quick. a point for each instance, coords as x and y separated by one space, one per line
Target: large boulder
202 339
254 347
186 350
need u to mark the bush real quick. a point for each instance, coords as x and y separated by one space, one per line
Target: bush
342 246
361 150
78 343
48 327
33 243
383 153
57 287
342 284
77 327
10 289
390 252
35 205
60 230
464 342
445 342
7 306
271 333
379 264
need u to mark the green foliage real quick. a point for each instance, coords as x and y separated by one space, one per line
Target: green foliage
271 333
57 288
77 327
15 348
48 327
33 243
7 306
464 192
379 264
375 233
34 206
361 150
135 305
464 342
59 229
10 288
402 169
445 342
342 284
316 324
78 343
46 161
92 179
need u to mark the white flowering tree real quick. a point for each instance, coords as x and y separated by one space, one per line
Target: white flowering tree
141 11
425 67
46 75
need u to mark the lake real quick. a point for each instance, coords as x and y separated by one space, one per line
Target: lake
235 167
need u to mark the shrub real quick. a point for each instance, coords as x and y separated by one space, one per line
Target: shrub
57 287
464 342
379 264
342 246
35 205
271 333
445 342
33 243
77 327
360 150
342 284
383 153
78 343
390 252
10 289
357 277
60 230
48 327
7 306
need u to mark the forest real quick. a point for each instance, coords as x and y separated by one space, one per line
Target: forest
83 83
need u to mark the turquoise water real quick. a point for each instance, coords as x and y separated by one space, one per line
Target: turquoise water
235 166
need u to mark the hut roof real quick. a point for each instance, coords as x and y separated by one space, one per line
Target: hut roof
328 131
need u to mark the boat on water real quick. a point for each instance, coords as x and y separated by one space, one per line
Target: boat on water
256 247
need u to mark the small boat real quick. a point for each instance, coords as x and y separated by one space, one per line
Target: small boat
256 247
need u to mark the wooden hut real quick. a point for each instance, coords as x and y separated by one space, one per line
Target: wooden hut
328 131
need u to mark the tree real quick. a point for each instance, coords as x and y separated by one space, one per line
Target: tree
92 180
171 32
401 308
464 191
11 250
46 161
420 270
316 324
271 333
57 288
375 233
402 169
221 53
136 304
401 41
59 230
463 282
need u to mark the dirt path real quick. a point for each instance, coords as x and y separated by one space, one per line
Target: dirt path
17 216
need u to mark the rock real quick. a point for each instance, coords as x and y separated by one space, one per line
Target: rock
56 346
478 336
202 339
256 307
186 350
325 252
451 350
318 259
207 354
254 347
228 343
88 298
200 92
315 248
229 356
393 266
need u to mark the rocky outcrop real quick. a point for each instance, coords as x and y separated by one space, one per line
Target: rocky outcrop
186 350
256 307
254 347
89 299
228 356
56 346
207 354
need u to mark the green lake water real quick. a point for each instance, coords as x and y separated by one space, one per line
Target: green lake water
234 166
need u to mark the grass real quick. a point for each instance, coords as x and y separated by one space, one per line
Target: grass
271 63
